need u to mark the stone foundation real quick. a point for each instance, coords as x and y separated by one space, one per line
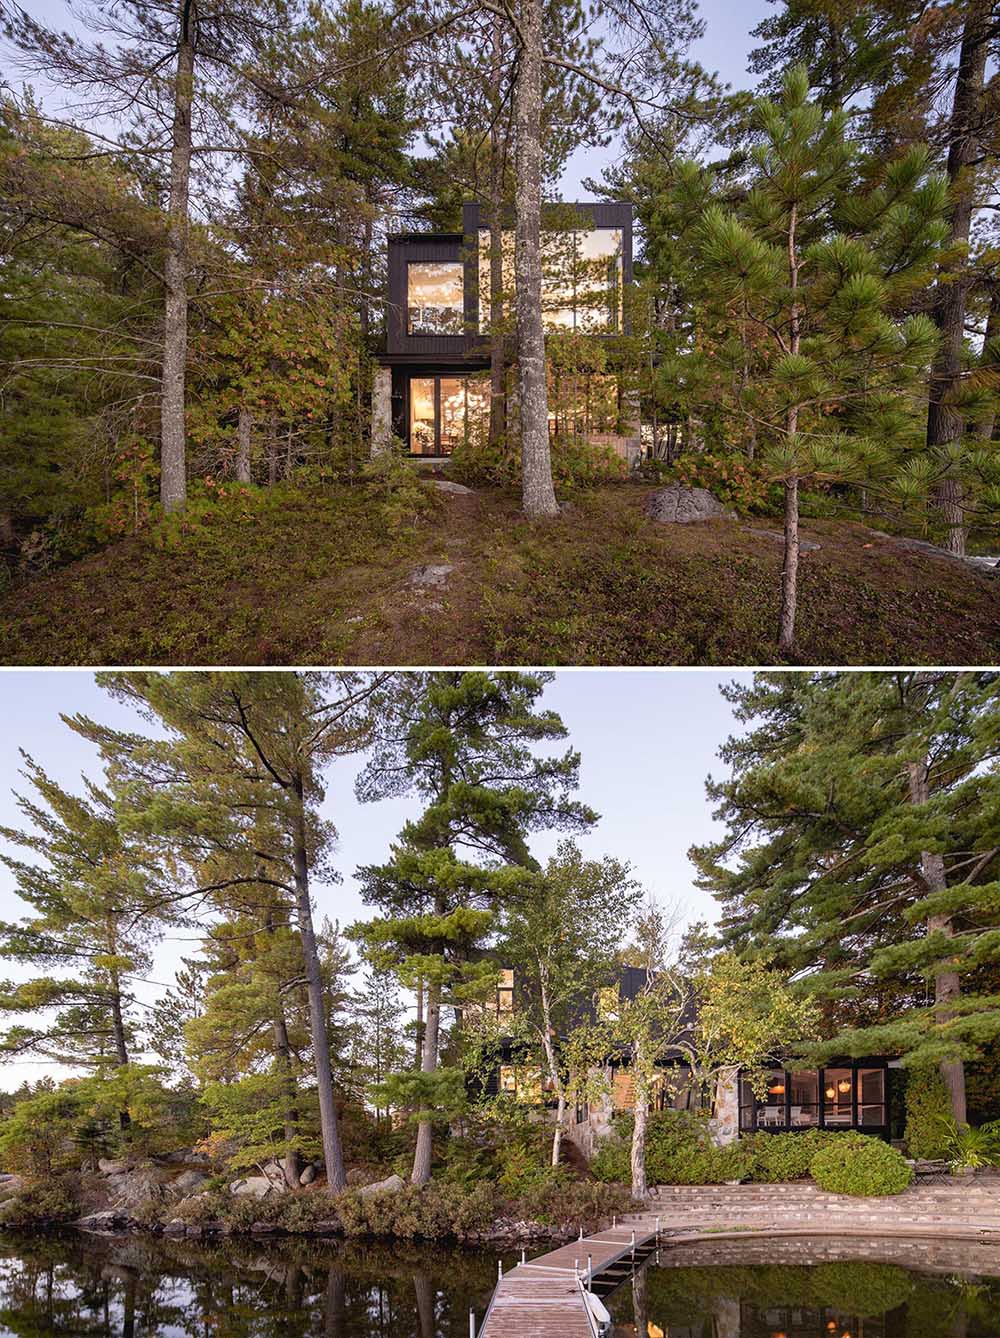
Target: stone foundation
381 410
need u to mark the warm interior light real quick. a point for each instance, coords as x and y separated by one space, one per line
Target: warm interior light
844 1085
777 1089
830 1093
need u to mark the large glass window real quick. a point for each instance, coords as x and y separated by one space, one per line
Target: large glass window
445 411
771 1112
803 1099
837 1098
871 1097
434 303
422 415
581 279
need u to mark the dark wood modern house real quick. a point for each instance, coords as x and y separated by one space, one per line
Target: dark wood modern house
859 1094
432 386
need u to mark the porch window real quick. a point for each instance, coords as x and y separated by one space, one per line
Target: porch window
871 1097
838 1108
771 1113
434 298
803 1100
445 411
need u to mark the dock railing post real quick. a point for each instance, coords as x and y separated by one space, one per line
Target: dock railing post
472 1324
590 1270
499 1270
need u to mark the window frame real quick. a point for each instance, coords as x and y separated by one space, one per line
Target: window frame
421 333
436 378
749 1105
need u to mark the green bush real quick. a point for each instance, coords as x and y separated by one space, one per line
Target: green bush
930 1127
575 464
866 1167
571 1203
45 1202
778 1158
430 1212
678 1152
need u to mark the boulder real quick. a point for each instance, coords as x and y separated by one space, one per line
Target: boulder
188 1182
141 1184
432 574
308 1175
106 1221
392 1185
9 1186
186 1157
258 1186
446 485
175 1227
108 1167
676 505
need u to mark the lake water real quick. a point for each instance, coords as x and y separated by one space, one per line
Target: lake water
814 1289
139 1287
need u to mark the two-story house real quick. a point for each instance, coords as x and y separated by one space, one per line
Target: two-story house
865 1095
432 383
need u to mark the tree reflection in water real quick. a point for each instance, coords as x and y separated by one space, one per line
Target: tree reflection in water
829 1298
127 1287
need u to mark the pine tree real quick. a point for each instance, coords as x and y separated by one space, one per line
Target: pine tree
379 1047
462 743
234 791
818 269
861 855
96 911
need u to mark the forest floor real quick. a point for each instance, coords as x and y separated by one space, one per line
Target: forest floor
323 579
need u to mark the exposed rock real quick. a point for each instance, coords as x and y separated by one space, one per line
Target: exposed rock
129 1189
9 1186
681 506
308 1175
392 1185
447 485
431 574
187 1183
106 1221
175 1227
272 1177
805 545
108 1167
186 1157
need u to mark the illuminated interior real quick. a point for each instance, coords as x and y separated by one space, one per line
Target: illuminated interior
581 279
445 411
434 300
845 1097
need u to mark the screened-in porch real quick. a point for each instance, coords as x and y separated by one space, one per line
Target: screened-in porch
848 1095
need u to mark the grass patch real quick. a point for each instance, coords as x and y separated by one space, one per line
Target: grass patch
321 576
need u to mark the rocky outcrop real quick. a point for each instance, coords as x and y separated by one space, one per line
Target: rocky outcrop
270 1181
676 505
392 1185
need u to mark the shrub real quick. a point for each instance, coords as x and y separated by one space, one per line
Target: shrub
865 1167
428 1212
678 1152
777 1158
930 1127
730 478
571 1203
44 1202
575 464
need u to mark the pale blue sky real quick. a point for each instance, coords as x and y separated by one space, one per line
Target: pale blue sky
648 739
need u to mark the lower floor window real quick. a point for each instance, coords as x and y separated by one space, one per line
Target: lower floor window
445 411
848 1097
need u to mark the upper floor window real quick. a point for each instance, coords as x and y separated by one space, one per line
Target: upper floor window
434 301
581 279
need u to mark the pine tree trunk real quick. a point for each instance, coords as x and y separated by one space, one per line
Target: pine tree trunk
496 251
291 1163
947 986
790 568
640 1109
537 491
945 422
987 422
419 1031
428 1064
790 564
244 432
332 1152
173 464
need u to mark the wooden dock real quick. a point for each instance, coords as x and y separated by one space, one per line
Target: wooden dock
543 1298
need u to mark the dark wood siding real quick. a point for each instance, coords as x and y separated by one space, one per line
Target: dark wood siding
440 248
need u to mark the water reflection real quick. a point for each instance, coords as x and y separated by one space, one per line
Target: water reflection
736 1293
151 1288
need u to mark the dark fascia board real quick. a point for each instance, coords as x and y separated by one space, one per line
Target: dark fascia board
400 238
604 213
